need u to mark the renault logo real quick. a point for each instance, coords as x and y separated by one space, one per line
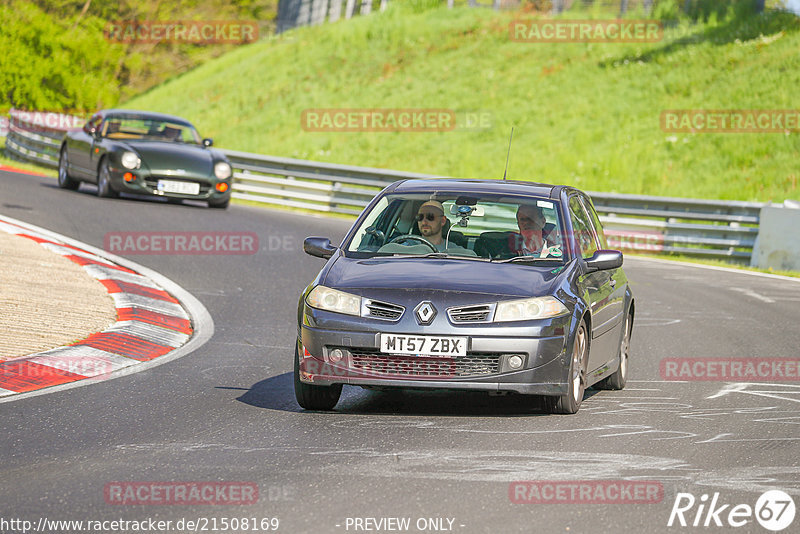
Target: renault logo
425 312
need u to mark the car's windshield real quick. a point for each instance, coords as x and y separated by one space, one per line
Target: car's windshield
143 128
480 226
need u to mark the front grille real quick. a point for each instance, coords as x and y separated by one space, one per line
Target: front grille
152 183
470 314
386 364
382 310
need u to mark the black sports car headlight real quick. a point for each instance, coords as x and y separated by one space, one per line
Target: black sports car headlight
130 160
527 309
222 170
325 298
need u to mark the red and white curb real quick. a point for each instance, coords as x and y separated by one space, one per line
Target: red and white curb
157 321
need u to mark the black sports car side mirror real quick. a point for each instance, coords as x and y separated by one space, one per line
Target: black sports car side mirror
319 246
208 141
604 260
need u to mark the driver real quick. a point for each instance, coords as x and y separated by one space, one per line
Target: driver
431 220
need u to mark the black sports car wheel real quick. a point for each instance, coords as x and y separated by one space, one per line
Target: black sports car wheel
65 181
314 397
571 402
104 189
220 205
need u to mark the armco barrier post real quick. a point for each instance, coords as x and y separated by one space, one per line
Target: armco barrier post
778 243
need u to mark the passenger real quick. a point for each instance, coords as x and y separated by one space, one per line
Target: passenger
534 232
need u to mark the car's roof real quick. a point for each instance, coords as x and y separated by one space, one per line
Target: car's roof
132 113
510 187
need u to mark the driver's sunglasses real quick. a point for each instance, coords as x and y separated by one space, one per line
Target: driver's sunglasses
430 216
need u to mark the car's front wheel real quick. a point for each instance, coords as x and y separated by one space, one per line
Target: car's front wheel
220 205
311 397
620 377
65 181
104 189
571 402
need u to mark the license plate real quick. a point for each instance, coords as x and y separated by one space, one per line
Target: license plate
442 346
186 188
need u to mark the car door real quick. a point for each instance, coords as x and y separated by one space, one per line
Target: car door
598 287
80 146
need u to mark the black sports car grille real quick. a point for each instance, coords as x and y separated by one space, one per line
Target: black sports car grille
470 314
386 364
384 310
152 183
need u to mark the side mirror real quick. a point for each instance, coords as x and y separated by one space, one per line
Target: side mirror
319 246
604 260
208 142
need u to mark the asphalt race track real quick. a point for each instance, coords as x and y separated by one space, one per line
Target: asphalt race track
227 411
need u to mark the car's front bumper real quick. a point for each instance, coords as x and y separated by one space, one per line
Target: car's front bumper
544 372
144 183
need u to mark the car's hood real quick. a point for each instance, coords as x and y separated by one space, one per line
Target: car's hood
174 158
431 274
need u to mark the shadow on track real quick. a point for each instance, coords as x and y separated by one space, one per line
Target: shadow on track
277 393
90 190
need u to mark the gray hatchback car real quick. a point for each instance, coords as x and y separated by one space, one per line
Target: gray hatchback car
478 285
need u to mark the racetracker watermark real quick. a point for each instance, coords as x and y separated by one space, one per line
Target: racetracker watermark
636 240
182 31
49 368
183 243
181 493
45 121
393 120
730 121
586 492
737 369
586 31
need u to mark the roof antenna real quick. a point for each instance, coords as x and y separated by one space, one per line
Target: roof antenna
509 152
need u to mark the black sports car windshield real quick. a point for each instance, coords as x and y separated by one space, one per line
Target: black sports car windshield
148 129
466 226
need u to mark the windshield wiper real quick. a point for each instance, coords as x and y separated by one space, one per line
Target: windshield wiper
525 259
438 255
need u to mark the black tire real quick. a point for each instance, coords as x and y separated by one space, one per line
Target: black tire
620 377
310 397
571 402
104 189
220 205
65 181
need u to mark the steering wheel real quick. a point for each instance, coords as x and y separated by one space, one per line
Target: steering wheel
411 237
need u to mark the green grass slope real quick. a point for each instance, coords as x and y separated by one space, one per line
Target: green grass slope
585 114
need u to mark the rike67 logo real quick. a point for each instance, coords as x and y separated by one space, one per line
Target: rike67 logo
774 510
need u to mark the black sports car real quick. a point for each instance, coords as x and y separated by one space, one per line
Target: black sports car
138 152
467 284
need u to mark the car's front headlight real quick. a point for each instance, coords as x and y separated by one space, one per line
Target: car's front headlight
130 160
325 298
526 309
222 170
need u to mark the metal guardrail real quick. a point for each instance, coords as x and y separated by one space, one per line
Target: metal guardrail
699 228
28 139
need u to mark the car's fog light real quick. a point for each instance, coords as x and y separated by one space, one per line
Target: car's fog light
222 187
129 177
336 355
515 362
